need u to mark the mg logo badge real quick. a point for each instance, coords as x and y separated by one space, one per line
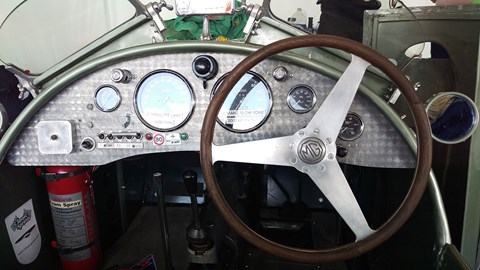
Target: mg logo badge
311 150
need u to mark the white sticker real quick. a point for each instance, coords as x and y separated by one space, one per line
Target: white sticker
70 224
173 139
205 7
24 234
120 145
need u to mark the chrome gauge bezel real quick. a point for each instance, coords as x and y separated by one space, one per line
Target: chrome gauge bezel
358 133
290 98
185 84
265 115
97 100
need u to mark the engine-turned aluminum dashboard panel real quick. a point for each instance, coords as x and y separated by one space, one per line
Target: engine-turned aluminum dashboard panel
101 137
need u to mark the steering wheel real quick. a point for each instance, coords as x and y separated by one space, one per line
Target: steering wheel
312 150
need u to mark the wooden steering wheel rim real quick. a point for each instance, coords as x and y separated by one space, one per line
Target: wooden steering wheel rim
413 196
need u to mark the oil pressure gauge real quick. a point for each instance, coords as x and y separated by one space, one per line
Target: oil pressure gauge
107 98
352 127
301 98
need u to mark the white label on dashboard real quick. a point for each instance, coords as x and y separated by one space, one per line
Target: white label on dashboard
173 139
120 145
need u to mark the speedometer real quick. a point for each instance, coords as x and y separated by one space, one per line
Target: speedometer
164 100
247 106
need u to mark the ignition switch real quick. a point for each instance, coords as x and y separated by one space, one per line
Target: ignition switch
88 144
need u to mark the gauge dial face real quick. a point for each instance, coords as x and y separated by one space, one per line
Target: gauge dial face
247 106
107 98
164 100
301 98
352 127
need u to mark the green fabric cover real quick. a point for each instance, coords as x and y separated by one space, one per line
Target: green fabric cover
190 27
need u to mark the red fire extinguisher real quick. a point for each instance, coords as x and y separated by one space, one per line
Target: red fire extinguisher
72 205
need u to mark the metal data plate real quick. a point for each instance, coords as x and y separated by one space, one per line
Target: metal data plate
205 7
55 137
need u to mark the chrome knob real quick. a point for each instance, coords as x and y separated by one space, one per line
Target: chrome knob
119 75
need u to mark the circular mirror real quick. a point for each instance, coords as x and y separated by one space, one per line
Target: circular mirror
453 117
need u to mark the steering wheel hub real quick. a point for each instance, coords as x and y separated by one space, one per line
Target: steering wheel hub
311 150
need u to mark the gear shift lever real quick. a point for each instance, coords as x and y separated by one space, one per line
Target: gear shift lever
196 232
200 245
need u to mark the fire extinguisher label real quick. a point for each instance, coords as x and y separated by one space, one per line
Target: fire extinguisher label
70 225
66 205
24 233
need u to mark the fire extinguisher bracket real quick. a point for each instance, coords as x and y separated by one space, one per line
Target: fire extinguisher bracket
69 250
51 176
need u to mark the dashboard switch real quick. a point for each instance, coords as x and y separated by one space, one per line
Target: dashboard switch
280 73
341 151
119 75
88 144
205 67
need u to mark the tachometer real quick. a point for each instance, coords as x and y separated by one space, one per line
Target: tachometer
301 98
164 100
107 98
247 106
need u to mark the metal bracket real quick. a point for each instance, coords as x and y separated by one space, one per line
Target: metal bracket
25 89
255 14
243 7
153 12
139 7
25 85
206 35
395 93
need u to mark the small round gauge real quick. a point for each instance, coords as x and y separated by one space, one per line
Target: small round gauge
107 98
301 98
352 127
164 100
247 106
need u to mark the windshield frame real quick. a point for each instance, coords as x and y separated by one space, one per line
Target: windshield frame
38 39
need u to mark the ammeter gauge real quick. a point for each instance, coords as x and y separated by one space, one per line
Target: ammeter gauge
352 127
107 98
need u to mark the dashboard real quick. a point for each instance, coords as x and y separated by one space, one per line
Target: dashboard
156 104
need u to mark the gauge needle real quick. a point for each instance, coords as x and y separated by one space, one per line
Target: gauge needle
165 100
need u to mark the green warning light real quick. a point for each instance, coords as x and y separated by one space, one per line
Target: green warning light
184 136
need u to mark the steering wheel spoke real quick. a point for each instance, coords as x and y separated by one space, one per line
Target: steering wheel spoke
331 181
275 151
331 114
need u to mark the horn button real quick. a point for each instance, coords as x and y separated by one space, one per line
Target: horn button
311 150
